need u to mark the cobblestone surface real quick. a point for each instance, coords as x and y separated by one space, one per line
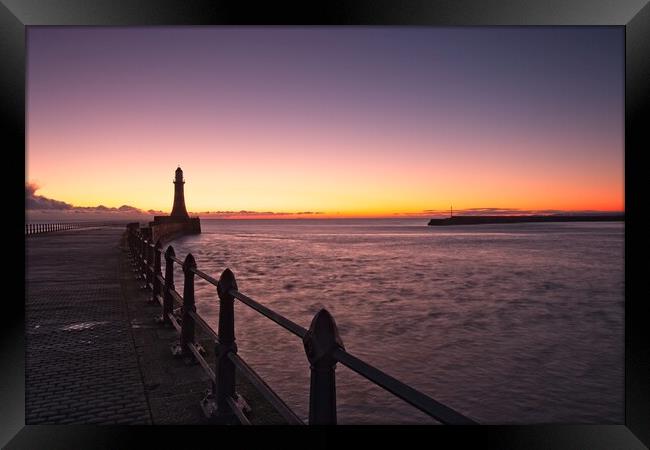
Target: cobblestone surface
94 354
81 365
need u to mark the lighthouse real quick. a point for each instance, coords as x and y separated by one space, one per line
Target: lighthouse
179 222
179 211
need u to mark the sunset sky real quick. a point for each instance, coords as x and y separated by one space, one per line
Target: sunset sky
362 121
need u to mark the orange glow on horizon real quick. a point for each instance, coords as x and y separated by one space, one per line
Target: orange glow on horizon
379 188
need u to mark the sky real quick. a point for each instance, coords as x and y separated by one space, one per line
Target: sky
325 121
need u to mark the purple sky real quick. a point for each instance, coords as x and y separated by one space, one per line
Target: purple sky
394 117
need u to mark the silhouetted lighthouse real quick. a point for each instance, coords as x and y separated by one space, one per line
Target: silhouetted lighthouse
178 223
179 211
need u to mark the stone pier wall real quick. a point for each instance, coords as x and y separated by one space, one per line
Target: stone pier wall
168 230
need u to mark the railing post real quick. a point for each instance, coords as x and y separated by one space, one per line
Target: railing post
168 302
321 339
225 386
138 249
145 255
134 251
187 331
142 260
138 255
156 271
149 263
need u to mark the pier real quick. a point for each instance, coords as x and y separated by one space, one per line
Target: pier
94 353
484 220
110 341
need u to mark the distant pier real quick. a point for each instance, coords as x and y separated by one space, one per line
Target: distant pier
481 220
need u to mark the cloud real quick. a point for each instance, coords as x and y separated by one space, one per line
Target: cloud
40 207
128 208
43 208
33 201
255 214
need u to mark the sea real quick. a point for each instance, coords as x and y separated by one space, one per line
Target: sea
506 324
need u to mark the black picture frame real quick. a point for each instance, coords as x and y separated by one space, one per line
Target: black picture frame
634 15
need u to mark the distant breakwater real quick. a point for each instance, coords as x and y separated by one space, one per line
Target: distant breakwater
478 220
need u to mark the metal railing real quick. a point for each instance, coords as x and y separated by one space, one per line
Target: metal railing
323 345
40 228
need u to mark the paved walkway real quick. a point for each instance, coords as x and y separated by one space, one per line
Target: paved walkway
80 360
94 354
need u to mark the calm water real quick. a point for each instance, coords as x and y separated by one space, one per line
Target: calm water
517 323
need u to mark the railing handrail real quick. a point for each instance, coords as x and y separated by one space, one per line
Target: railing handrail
336 353
32 228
